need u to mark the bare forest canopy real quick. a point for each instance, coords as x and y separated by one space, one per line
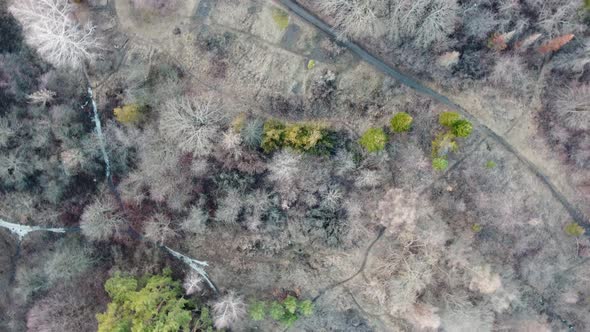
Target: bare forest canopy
344 165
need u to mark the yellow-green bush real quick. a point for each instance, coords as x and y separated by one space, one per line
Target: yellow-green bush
373 140
574 229
130 113
280 17
303 137
273 135
401 122
448 118
440 164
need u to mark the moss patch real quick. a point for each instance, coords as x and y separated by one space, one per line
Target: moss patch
280 17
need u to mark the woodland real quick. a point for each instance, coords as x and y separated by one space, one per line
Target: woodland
311 165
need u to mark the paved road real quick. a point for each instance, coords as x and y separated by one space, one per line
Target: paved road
409 81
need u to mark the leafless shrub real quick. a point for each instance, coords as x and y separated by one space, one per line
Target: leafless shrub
192 123
50 27
228 311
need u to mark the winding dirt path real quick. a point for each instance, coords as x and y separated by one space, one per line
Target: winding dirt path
359 271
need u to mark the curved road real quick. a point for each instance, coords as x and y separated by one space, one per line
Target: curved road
409 81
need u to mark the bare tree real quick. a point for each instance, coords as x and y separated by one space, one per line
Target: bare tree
196 220
558 17
397 210
229 207
159 229
192 123
355 18
100 220
573 104
284 167
228 310
511 74
69 260
424 21
50 27
6 131
41 97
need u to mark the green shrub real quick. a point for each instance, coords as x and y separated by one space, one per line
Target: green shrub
440 164
303 137
401 122
306 308
257 310
574 229
476 228
462 128
290 304
448 118
490 164
276 311
373 139
152 303
287 312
